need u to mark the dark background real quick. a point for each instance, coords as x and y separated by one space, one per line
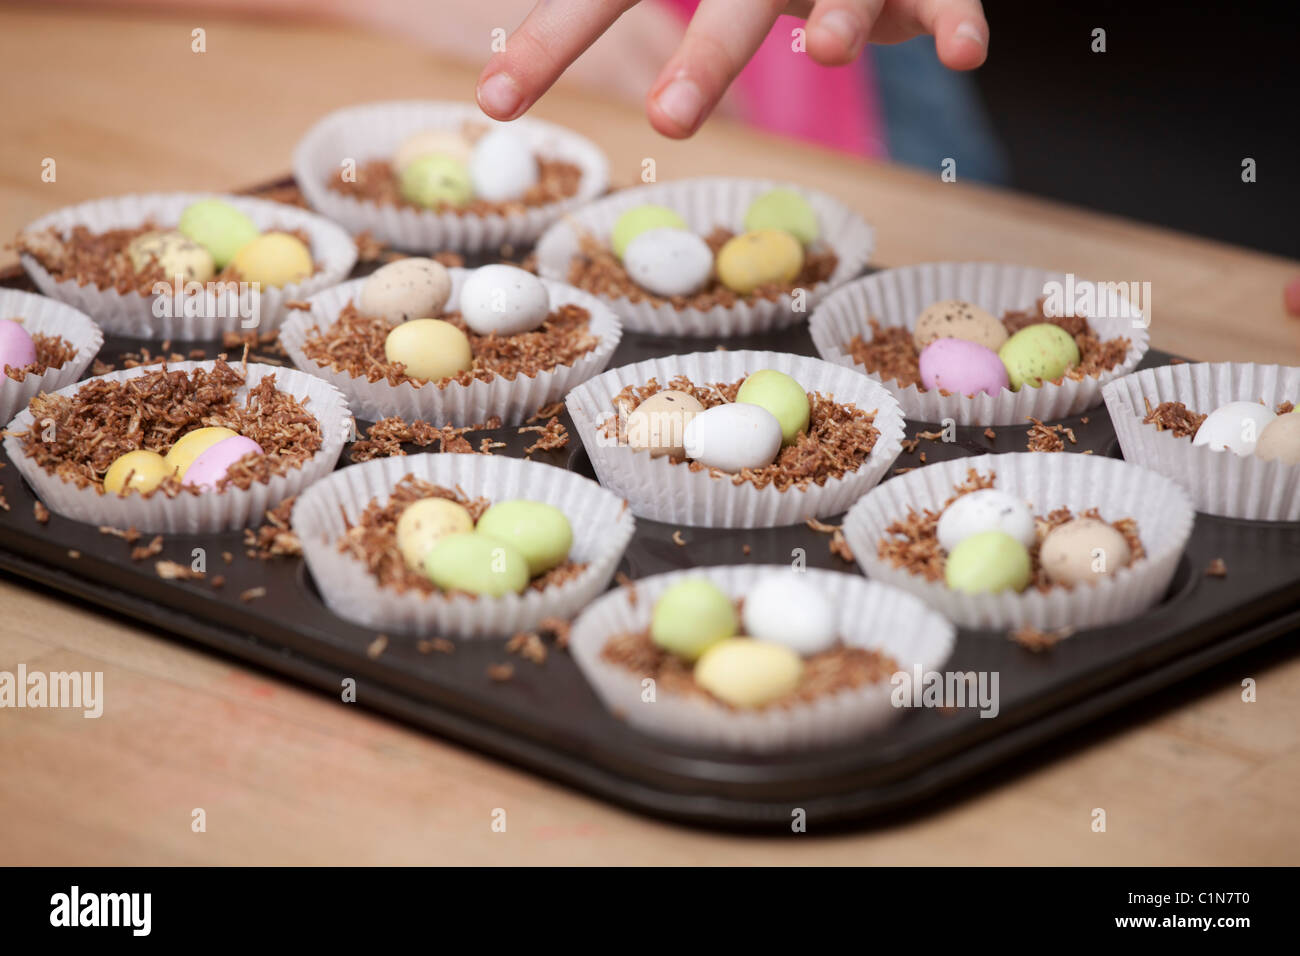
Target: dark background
1156 127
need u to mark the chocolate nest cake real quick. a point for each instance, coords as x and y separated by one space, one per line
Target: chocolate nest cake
373 539
599 271
354 344
891 353
838 440
376 182
912 542
1182 421
52 351
100 259
78 437
839 669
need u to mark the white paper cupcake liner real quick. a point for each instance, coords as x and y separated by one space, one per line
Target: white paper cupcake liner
455 404
706 204
193 513
897 297
376 130
602 528
1220 483
662 491
868 615
48 317
1117 489
332 250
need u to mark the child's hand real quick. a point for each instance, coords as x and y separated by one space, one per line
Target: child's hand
721 38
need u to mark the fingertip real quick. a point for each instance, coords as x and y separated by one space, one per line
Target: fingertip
835 37
499 94
964 46
677 107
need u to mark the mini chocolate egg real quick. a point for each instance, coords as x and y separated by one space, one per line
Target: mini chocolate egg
413 288
985 510
783 608
786 210
274 259
744 672
1280 440
669 262
691 615
782 396
1235 426
962 368
957 319
211 466
641 219
177 255
432 142
733 437
753 259
423 522
17 350
503 299
218 227
1083 550
1037 354
987 563
140 470
502 166
476 564
659 423
430 349
192 444
435 180
538 531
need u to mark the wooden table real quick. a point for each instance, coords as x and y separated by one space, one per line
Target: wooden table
289 776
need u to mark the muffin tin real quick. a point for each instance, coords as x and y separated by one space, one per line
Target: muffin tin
547 719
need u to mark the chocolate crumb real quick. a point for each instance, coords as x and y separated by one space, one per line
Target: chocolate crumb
501 672
678 539
153 548
172 571
252 594
40 513
439 644
377 647
1175 417
1036 640
990 434
1218 569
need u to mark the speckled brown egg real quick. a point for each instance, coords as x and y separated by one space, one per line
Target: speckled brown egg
659 423
1280 440
955 319
413 288
1083 550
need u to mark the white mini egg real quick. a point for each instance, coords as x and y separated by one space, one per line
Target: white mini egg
502 166
503 299
1234 426
985 510
733 437
783 608
669 262
407 289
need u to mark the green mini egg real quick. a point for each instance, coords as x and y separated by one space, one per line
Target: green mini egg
424 522
753 259
786 210
477 564
987 563
436 180
691 616
782 396
540 532
641 219
1037 354
218 227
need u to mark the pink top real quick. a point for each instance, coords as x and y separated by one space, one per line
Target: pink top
790 94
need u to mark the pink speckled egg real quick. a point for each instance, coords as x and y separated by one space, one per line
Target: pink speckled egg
962 368
211 466
17 350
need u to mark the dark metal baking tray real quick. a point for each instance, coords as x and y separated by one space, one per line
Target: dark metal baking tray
547 719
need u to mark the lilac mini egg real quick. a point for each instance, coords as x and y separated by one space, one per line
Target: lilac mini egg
962 368
211 466
17 350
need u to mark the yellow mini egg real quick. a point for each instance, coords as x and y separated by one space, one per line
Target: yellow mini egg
192 444
140 470
744 672
273 259
177 255
753 259
424 522
429 348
